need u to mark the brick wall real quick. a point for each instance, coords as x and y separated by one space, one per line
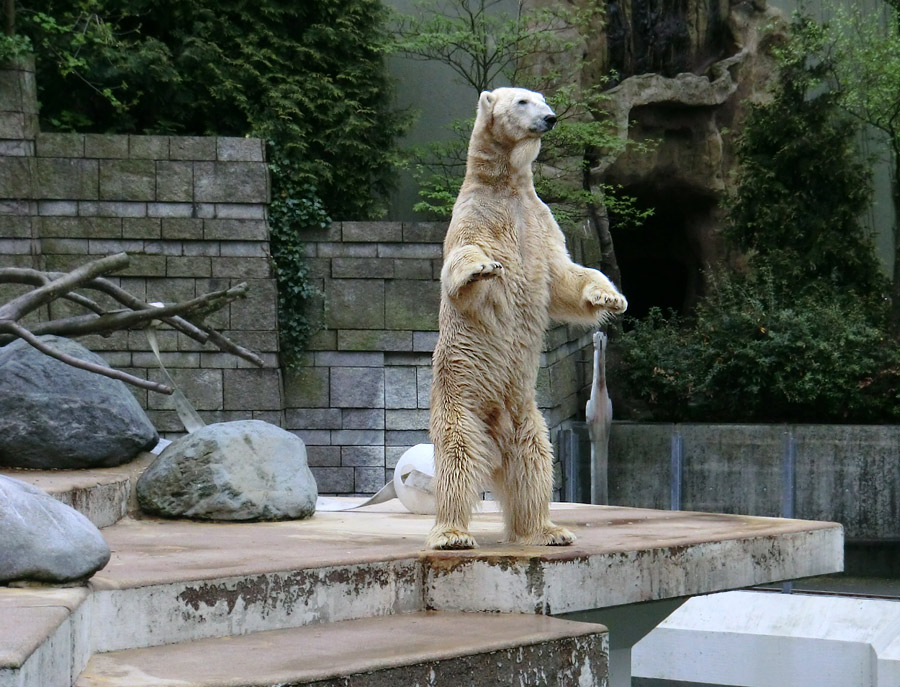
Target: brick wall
191 213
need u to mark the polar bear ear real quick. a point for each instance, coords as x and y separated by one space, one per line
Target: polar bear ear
485 102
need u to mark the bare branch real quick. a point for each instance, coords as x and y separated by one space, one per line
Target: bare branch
23 333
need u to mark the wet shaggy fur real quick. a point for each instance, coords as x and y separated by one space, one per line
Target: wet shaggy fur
506 274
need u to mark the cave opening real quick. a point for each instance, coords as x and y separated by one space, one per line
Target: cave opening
662 261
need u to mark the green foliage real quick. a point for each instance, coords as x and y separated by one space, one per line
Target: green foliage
803 336
14 47
756 354
293 209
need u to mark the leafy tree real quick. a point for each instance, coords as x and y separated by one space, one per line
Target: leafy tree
800 188
866 74
539 48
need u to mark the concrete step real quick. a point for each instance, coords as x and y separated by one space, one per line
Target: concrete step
425 648
103 495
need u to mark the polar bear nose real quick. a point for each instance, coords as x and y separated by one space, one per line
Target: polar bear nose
550 120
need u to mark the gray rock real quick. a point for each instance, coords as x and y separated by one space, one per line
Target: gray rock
55 416
244 470
45 540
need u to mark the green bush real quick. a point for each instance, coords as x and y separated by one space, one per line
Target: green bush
753 354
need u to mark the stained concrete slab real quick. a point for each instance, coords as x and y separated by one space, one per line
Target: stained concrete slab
29 616
428 647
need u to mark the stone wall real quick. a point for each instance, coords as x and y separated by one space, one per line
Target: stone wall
361 397
844 473
191 213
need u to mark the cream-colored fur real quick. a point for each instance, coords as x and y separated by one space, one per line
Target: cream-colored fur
506 274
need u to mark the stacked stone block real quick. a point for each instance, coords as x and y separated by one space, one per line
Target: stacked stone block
361 397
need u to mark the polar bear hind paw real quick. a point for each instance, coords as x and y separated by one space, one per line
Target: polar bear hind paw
551 535
450 538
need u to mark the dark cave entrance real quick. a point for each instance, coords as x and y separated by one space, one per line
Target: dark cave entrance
662 261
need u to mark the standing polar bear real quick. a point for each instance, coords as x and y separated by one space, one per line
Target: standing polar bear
506 273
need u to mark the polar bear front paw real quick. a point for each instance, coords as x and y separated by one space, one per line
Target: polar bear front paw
484 270
450 538
608 300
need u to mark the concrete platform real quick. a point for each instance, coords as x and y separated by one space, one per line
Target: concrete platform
425 648
170 582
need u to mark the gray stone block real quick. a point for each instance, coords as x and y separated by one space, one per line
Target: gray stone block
406 419
361 418
372 232
411 305
188 267
59 145
127 180
323 340
425 341
60 208
163 248
363 456
253 388
17 177
203 388
209 248
313 418
356 304
357 387
192 148
170 209
141 228
340 359
392 455
307 387
64 246
361 268
424 232
423 386
314 437
368 480
400 387
174 181
92 208
346 250
334 480
171 359
230 182
233 149
185 228
235 230
148 147
108 146
254 210
109 246
241 268
330 234
244 249
395 437
15 227
259 309
323 456
411 268
374 340
409 250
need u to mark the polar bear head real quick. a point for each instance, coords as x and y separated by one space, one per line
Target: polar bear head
513 115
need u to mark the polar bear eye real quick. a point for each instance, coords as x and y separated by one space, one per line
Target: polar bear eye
523 102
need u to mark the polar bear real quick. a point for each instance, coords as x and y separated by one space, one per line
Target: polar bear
506 274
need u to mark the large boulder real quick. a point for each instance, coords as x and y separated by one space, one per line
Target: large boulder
55 416
244 470
45 540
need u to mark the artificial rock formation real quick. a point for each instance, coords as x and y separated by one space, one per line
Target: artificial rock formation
45 540
243 470
55 416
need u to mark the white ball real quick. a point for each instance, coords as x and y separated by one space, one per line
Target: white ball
418 496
